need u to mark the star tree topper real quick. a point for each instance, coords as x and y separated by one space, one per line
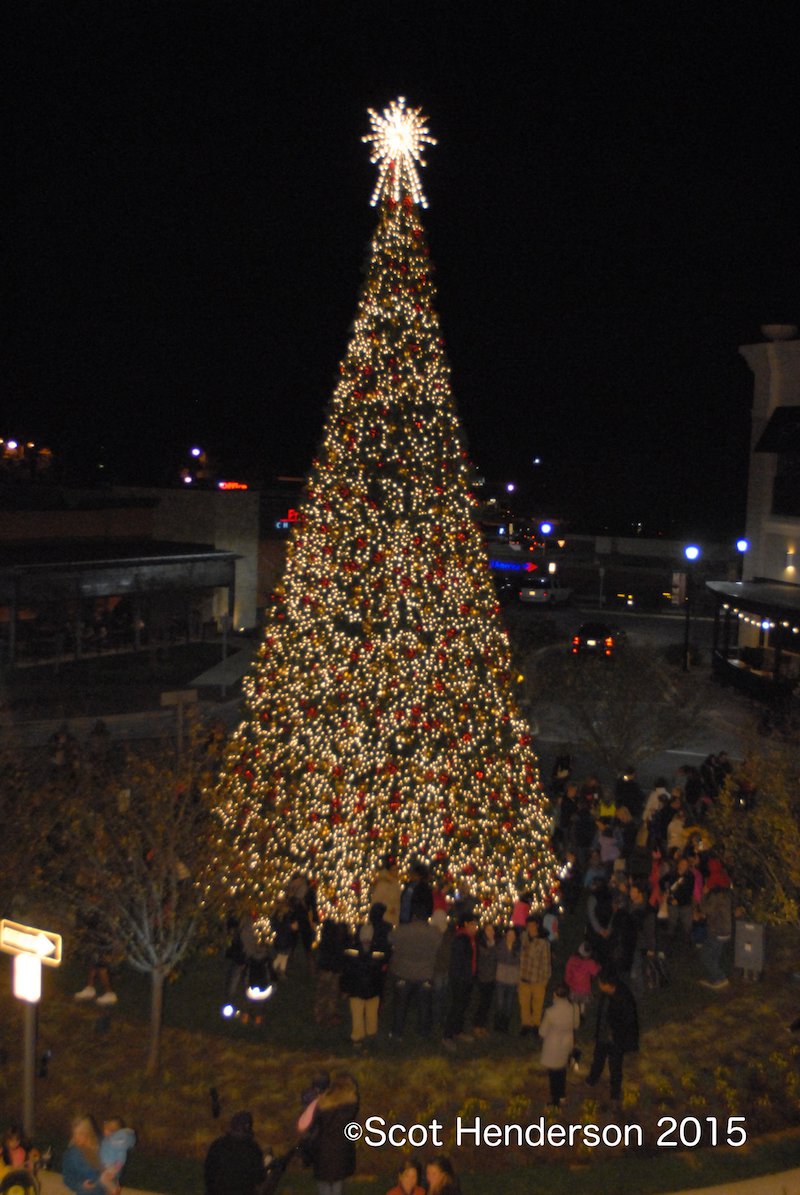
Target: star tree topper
398 135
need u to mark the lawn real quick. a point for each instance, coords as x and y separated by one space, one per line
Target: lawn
703 1055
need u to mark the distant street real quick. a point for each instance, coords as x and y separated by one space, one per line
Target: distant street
728 714
727 717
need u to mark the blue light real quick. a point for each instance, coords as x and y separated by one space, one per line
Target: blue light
546 528
228 1011
510 487
196 452
691 552
512 566
742 545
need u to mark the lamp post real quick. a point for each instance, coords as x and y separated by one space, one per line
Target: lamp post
692 553
742 546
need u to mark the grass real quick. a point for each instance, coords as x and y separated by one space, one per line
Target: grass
702 1055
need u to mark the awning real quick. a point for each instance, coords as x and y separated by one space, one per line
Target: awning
761 597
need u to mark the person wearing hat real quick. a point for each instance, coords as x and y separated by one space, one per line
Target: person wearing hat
362 982
234 1163
717 908
579 972
333 1153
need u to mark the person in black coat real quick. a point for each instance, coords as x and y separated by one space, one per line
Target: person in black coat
333 1154
617 1031
463 969
324 1144
362 982
234 1163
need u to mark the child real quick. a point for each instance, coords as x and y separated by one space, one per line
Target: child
557 1031
521 911
14 1151
578 974
550 922
408 1178
114 1148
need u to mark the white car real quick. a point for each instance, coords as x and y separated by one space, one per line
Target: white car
545 591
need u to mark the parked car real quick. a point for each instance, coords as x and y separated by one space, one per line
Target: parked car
544 591
596 639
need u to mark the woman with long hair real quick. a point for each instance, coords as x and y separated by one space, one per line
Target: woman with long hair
81 1168
441 1177
334 1154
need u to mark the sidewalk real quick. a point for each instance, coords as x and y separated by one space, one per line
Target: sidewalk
52 1185
787 1183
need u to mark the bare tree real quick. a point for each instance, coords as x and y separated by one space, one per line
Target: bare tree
621 710
138 850
24 814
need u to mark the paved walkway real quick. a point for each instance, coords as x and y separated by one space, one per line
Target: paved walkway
787 1183
52 1185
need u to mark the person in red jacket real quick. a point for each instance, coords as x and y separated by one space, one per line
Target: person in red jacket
408 1179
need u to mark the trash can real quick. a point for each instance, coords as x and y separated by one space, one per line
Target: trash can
748 954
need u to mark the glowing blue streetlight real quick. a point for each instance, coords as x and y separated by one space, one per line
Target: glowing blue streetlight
692 553
545 528
742 545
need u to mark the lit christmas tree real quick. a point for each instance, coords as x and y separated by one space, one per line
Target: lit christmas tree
381 716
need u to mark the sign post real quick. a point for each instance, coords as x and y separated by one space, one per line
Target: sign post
180 698
30 947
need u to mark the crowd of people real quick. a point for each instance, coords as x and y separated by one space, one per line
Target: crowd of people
639 868
237 1165
643 891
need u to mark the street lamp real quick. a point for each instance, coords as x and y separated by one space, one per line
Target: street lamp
692 553
742 546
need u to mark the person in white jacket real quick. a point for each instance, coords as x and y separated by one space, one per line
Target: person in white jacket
557 1031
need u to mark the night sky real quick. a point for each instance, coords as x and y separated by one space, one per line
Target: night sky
614 208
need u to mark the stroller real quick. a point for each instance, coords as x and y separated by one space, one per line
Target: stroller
19 1182
274 1172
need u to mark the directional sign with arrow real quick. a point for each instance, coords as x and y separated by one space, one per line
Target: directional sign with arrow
25 939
